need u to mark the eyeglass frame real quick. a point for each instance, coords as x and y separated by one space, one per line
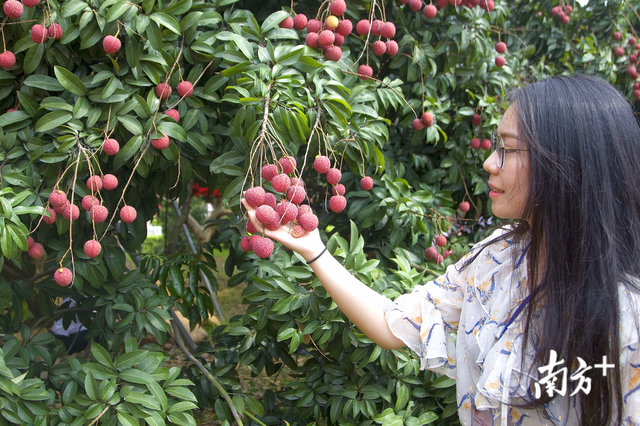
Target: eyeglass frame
501 155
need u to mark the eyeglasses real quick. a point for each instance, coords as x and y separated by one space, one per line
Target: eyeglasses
497 144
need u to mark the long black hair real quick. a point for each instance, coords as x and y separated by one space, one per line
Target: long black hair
583 227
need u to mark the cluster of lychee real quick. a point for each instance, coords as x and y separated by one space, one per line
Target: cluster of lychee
501 47
430 10
337 203
426 120
619 51
562 13
432 252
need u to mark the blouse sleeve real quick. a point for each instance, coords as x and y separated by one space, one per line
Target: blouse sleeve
630 357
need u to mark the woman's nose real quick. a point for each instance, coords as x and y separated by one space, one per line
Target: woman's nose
491 163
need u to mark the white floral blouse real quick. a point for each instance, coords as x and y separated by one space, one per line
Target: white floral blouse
476 304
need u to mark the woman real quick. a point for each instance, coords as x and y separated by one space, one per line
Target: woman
561 284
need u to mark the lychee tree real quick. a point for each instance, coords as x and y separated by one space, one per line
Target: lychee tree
368 120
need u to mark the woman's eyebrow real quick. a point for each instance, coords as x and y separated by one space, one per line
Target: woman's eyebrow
508 134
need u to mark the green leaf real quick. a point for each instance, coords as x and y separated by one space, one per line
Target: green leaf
43 82
69 81
166 21
274 20
131 359
33 58
101 355
127 151
52 120
173 130
126 419
117 10
136 376
154 35
244 45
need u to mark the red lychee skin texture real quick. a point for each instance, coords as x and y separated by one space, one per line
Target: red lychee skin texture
61 208
308 221
501 47
89 201
485 144
110 146
415 5
300 21
555 10
633 58
30 242
314 26
345 27
128 214
263 247
255 196
109 182
392 47
376 27
312 40
286 23
269 171
54 31
322 164
339 41
287 211
7 60
265 214
161 143
185 89
98 214
632 41
63 277
333 53
39 33
163 90
273 225
616 35
333 176
31 3
303 209
338 7
12 8
245 245
297 232
417 124
476 120
337 203
362 27
366 183
442 3
94 183
500 61
36 251
249 227
618 51
296 194
448 253
72 211
430 11
326 38
50 220
297 181
464 206
439 259
288 164
365 71
431 253
281 182
427 119
338 189
253 239
173 113
111 44
92 248
270 200
388 30
441 240
474 143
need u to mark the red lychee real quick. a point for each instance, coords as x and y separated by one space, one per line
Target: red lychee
99 214
430 11
339 189
427 119
63 277
417 124
185 89
111 44
314 26
173 113
30 242
501 47
616 35
89 201
322 164
50 220
249 227
245 245
304 208
94 183
388 30
326 38
288 164
253 239
255 196
618 51
60 209
312 40
464 206
500 61
376 27
431 253
36 251
392 47
110 146
379 47
31 3
270 200
297 232
333 53
300 21
308 221
71 212
54 31
7 60
12 8
296 194
274 225
476 120
475 143
362 27
632 41
286 23
365 71
366 183
485 144
439 259
266 214
281 182
92 248
161 143
338 7
269 171
296 181
441 240
337 203
163 90
109 182
333 176
263 247
345 27
38 33
128 214
287 211
415 5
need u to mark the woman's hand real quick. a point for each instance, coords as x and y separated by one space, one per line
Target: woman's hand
308 245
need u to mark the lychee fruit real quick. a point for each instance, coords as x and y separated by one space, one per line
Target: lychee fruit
92 248
427 119
266 214
430 11
173 113
296 181
128 214
485 144
300 21
464 206
322 164
253 239
415 5
337 203
441 240
297 232
339 189
286 23
616 35
338 7
263 247
388 30
392 47
270 200
269 171
54 31
314 26
287 211
38 33
312 40
304 208
417 124
185 89
245 245
110 146
288 164
376 27
431 253
618 51
89 201
111 44
163 90
60 209
7 60
379 47
99 214
273 225
63 277
476 120
439 259
500 61
255 196
366 183
109 182
362 27
249 227
161 143
345 27
501 47
475 143
94 183
50 220
30 242
333 176
35 251
326 38
365 71
71 212
331 22
12 8
339 41
333 53
281 182
308 221
296 194
31 3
